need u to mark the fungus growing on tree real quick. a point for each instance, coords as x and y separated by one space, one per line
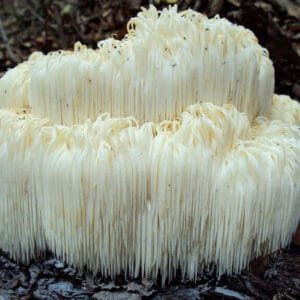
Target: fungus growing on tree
164 150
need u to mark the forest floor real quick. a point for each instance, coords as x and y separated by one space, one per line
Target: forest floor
32 25
273 277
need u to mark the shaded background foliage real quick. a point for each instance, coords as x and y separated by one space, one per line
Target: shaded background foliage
47 25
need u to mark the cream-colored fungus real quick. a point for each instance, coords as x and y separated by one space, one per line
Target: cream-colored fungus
210 183
286 109
167 62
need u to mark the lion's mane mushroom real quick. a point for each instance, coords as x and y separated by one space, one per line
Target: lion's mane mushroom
167 62
109 158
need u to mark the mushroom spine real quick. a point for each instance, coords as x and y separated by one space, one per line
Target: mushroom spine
165 149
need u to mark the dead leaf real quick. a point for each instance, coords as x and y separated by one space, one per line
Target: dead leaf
236 3
292 7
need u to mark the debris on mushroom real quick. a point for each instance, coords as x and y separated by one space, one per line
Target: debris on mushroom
164 150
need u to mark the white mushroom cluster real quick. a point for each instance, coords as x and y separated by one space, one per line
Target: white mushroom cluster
166 149
167 62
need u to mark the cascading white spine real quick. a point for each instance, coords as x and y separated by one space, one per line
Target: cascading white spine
115 196
167 62
210 184
285 109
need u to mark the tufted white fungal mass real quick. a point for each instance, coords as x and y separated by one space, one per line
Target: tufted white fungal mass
165 149
285 109
167 62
